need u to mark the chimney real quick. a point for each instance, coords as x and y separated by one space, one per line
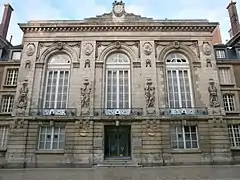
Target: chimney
232 10
5 20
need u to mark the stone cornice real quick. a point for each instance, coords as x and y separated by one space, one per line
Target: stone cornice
119 27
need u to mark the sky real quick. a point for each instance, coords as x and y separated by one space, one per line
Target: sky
25 10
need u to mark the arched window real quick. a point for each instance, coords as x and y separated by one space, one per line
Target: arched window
118 81
57 82
178 81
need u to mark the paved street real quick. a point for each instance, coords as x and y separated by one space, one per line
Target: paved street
161 173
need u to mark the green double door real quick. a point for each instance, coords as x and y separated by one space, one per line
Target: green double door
117 142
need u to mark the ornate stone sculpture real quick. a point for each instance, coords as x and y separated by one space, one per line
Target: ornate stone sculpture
88 49
176 44
118 8
147 48
206 47
85 96
213 95
83 126
148 63
59 45
149 94
30 49
28 64
87 64
22 99
208 63
151 127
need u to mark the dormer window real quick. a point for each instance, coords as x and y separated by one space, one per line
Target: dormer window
238 53
16 55
220 53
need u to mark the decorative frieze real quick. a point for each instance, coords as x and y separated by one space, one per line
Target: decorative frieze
118 28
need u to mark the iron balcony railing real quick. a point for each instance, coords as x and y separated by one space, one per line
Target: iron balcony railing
194 111
53 112
118 112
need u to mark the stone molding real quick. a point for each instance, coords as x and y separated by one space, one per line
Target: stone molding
112 48
26 28
58 47
182 49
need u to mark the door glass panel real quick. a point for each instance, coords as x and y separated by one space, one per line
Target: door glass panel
117 141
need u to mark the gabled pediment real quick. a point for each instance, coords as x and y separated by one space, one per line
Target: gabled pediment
118 13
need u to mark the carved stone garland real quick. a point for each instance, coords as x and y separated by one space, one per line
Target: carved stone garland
150 97
85 97
213 94
83 127
151 127
22 100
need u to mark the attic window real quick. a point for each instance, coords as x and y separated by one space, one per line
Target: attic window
16 55
220 53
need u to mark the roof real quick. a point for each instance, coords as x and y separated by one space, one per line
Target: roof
234 40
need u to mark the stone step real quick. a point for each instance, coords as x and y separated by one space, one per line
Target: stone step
117 163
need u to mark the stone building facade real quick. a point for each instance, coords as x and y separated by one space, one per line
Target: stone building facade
9 64
117 89
227 58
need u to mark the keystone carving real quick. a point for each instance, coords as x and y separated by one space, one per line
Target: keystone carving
88 49
206 47
30 49
213 94
83 127
22 99
176 44
147 48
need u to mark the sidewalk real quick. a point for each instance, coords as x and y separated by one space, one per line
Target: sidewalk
121 173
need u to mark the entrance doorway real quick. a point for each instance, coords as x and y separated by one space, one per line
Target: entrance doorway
117 142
